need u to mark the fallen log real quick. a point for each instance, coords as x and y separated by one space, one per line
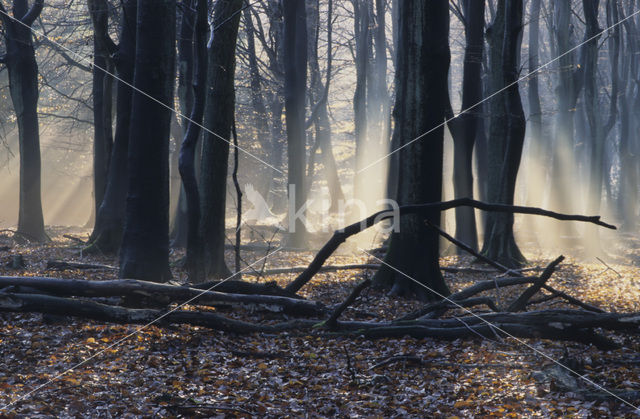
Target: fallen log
340 236
160 293
570 325
246 288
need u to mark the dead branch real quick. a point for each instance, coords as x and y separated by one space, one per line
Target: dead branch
570 325
521 302
340 236
328 268
160 293
332 321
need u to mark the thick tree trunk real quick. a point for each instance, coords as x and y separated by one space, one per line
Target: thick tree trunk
107 233
219 111
421 93
295 87
506 132
20 60
145 243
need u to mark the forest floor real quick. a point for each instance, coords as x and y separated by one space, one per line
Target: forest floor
185 371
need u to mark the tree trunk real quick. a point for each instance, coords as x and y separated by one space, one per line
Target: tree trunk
103 47
507 132
20 60
362 38
568 90
145 243
107 233
320 92
536 138
187 167
219 111
468 123
421 92
185 98
295 87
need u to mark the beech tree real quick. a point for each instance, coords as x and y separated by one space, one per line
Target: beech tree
507 130
20 60
218 119
101 92
144 253
421 93
107 232
295 85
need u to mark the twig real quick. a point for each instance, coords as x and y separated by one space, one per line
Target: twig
332 321
608 267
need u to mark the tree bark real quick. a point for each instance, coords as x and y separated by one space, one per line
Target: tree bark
219 111
295 87
107 233
187 167
20 60
468 122
507 133
144 253
103 48
186 52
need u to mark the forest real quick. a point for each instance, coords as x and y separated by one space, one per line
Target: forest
319 208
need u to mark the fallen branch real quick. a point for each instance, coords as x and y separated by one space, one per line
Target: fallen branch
521 302
571 325
341 235
296 269
160 293
332 321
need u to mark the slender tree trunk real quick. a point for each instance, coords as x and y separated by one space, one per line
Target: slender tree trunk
20 60
468 122
321 92
101 92
186 100
144 253
628 191
362 38
421 92
537 140
568 90
218 118
295 85
195 254
107 233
